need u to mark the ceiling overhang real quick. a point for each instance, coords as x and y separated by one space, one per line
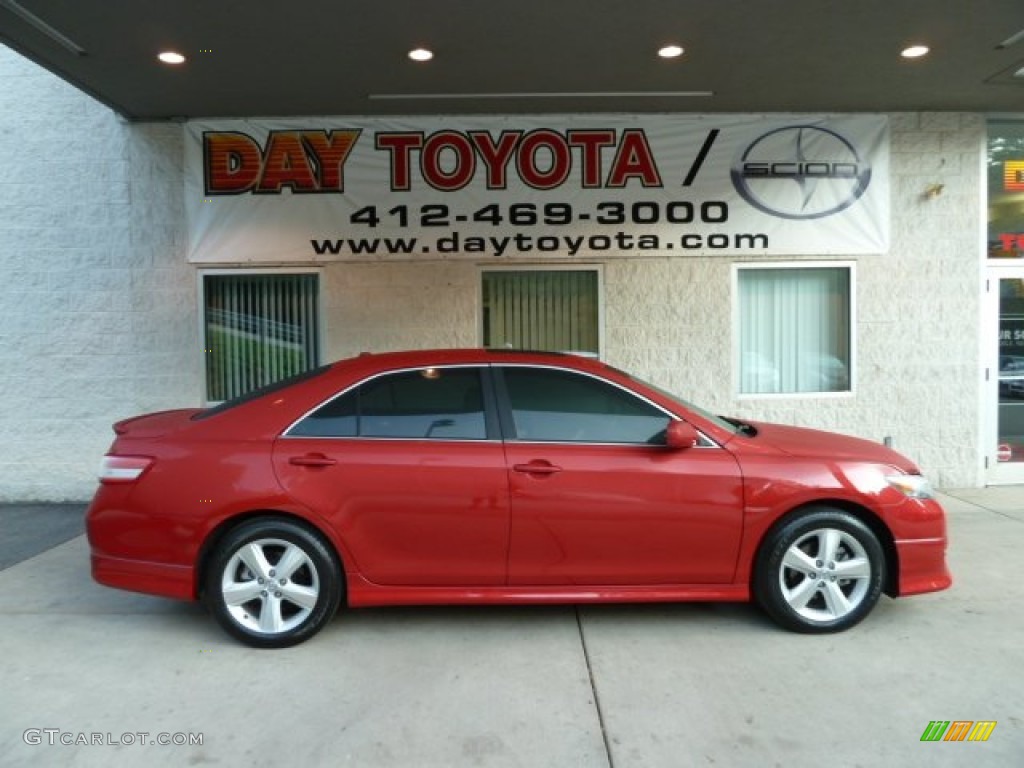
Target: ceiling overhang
323 57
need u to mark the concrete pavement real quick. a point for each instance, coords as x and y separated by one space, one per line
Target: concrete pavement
619 686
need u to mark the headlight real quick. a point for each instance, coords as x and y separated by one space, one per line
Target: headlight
914 486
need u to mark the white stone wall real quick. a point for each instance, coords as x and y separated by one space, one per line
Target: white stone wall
99 314
386 306
919 357
97 304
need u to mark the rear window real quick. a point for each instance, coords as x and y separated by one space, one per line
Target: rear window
277 386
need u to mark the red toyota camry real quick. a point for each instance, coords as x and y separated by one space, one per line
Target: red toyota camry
479 476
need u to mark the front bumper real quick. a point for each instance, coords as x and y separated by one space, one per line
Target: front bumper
922 566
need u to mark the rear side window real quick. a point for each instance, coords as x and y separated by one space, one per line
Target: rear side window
560 406
431 403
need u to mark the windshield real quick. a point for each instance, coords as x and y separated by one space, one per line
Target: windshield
727 424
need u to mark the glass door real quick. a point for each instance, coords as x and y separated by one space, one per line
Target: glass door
1006 389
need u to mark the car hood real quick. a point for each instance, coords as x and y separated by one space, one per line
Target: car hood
798 441
155 424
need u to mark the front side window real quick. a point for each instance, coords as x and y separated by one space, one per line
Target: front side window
794 330
560 406
431 403
258 329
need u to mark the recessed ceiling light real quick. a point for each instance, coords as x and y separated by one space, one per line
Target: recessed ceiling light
914 51
421 54
670 51
171 57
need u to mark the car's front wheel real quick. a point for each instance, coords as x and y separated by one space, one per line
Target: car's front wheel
821 570
272 583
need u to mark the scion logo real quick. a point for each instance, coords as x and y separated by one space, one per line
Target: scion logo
801 172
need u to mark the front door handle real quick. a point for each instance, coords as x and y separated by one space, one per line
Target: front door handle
312 460
537 467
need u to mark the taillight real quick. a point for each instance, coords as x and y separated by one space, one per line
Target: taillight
123 469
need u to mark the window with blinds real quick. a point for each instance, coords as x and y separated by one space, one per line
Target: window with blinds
258 329
795 329
548 310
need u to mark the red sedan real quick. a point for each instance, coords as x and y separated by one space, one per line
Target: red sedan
478 476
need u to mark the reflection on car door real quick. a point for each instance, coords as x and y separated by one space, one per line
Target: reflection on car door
408 470
596 499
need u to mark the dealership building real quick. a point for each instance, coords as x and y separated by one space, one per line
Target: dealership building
860 273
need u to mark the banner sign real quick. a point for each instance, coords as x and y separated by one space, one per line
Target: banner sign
535 187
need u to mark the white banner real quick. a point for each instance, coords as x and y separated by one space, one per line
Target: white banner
536 187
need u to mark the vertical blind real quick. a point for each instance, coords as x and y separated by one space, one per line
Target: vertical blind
544 310
794 330
258 329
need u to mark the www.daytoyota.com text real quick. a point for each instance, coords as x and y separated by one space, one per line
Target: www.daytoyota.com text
522 215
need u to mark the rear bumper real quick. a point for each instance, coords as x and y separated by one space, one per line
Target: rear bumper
136 550
175 581
922 566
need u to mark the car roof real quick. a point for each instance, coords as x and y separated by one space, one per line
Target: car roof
468 356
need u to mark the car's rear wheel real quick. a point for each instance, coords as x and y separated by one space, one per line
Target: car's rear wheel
821 570
272 583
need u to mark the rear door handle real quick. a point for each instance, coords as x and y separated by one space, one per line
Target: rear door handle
312 460
537 468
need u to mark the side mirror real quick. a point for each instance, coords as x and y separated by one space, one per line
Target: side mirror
681 435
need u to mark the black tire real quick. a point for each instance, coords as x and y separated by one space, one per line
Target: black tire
802 588
256 601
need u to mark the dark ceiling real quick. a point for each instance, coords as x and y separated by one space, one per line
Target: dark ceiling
333 57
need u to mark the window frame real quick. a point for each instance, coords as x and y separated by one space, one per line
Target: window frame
202 274
573 267
737 373
497 409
